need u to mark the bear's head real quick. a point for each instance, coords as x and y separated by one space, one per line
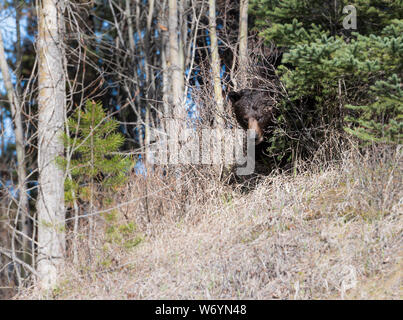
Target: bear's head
253 110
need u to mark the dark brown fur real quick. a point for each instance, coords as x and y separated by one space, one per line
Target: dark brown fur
254 110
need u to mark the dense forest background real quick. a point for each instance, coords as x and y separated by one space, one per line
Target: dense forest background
86 88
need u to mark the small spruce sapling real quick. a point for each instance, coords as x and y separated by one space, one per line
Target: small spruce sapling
92 160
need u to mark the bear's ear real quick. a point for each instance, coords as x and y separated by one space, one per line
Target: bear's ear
234 96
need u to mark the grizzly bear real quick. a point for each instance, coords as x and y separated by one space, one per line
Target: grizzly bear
254 109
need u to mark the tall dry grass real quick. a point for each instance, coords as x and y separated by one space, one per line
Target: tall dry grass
321 231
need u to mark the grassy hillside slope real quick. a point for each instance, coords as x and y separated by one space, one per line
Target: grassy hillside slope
331 232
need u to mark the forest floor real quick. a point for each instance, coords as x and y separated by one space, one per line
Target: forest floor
330 232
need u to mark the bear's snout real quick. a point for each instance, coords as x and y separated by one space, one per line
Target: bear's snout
253 124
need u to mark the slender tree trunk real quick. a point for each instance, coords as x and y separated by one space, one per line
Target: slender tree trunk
166 88
18 50
182 38
149 79
51 104
129 25
2 132
175 61
16 107
26 226
243 41
150 15
166 85
216 64
216 67
177 124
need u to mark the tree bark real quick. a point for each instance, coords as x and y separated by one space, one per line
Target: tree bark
51 104
149 80
129 25
175 61
216 65
164 48
243 42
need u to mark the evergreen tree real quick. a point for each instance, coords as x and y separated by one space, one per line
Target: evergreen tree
382 120
329 71
93 142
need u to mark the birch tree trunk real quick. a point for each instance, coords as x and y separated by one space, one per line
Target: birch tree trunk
19 145
216 65
51 104
219 101
243 41
166 85
129 25
177 124
175 61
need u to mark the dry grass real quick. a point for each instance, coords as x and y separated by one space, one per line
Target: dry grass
323 233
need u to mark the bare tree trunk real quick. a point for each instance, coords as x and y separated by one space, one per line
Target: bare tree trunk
176 126
182 37
149 80
2 132
216 65
51 104
175 61
166 88
130 25
16 107
243 41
